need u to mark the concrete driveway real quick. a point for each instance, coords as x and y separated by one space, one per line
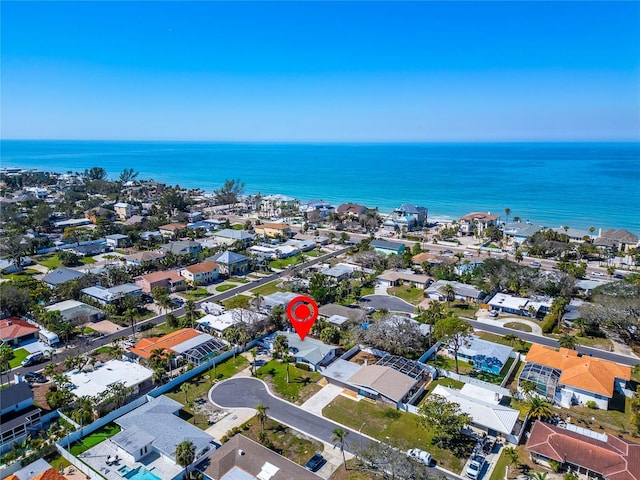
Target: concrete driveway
393 304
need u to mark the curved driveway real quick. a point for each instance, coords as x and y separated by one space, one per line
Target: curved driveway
393 304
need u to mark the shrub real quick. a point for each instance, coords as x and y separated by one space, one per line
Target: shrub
391 413
549 323
592 404
303 366
555 466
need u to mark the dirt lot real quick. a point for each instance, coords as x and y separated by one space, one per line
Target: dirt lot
361 357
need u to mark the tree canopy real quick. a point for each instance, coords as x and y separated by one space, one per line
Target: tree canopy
229 193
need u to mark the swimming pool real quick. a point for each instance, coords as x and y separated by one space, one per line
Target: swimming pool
138 473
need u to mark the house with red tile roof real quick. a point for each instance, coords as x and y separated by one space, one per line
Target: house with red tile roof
585 451
567 377
14 331
476 222
170 279
194 346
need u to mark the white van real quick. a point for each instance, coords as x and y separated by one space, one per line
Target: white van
33 359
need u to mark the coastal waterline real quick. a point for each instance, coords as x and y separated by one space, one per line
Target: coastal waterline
552 184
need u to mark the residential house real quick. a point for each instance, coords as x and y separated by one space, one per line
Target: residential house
219 321
243 459
89 249
109 296
231 263
311 352
273 230
19 417
575 235
423 257
156 428
182 247
485 356
38 470
338 272
409 217
14 331
463 291
475 223
124 210
352 210
280 299
94 214
320 206
136 220
142 257
529 307
172 230
484 406
229 236
568 378
96 382
618 240
519 231
118 240
386 247
392 278
76 312
153 235
585 452
383 382
331 309
8 265
71 222
201 273
302 245
192 345
170 279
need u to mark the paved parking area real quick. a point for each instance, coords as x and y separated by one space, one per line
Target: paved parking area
321 399
393 304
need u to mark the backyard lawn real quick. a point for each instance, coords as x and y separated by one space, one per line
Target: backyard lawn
95 438
302 384
522 347
196 294
464 309
284 262
18 356
407 293
445 382
390 425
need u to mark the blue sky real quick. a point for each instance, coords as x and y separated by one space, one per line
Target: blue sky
303 71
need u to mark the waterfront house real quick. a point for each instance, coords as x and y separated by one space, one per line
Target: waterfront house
409 217
352 210
201 273
568 378
475 223
619 240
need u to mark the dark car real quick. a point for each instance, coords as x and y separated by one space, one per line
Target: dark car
315 463
35 377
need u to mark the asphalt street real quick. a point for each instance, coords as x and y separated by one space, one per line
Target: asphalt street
393 304
249 392
157 320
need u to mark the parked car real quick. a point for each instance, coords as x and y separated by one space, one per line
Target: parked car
448 250
420 455
493 313
33 359
536 264
35 377
476 464
315 462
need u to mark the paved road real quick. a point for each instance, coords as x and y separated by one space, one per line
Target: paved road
530 337
393 304
157 320
249 392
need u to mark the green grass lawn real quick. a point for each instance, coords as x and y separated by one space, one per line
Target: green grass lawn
390 425
51 261
523 327
18 356
240 301
238 280
267 289
24 273
492 337
164 329
464 309
95 438
407 293
87 260
58 462
445 382
195 294
367 291
500 468
284 262
89 331
302 383
312 253
225 287
237 226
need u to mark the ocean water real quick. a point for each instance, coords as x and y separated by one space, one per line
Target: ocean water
552 184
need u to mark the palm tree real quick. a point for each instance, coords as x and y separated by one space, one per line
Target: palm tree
231 335
339 436
511 338
185 454
507 212
50 370
190 311
538 408
567 341
262 415
6 354
254 354
512 455
185 387
539 476
450 293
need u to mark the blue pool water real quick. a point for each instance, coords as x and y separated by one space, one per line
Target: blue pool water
140 473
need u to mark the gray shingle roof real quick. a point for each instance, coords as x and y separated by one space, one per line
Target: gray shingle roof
14 394
228 258
386 244
61 275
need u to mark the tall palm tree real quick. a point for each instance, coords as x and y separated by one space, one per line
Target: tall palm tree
538 408
539 476
185 454
339 436
512 455
190 311
185 387
507 212
450 293
567 341
261 413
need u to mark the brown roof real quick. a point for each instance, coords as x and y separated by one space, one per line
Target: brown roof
623 236
385 380
480 216
203 267
252 460
353 208
425 257
584 372
173 227
145 346
14 327
171 275
614 459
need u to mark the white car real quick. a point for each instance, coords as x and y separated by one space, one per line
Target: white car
476 464
420 455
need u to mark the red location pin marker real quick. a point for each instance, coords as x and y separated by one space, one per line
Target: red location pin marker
303 312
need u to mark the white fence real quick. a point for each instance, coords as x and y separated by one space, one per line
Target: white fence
474 381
